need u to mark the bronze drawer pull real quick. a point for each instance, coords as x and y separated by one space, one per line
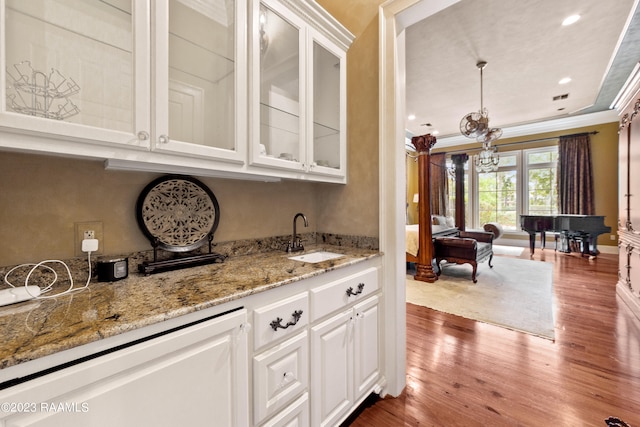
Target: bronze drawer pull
277 324
358 292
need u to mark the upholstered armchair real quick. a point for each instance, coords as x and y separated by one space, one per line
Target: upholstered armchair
469 247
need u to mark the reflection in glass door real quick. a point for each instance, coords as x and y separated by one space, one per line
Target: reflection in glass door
202 73
279 87
326 108
71 61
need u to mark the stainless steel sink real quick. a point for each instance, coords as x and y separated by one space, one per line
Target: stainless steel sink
314 257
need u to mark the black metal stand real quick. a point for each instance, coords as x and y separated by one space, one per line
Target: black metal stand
155 266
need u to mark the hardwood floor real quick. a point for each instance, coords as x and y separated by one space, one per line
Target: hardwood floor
466 373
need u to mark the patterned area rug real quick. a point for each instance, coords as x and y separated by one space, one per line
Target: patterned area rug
516 294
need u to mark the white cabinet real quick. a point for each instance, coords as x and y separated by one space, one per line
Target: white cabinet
344 361
323 361
295 415
200 73
280 374
166 76
281 319
76 70
194 376
628 286
164 85
298 96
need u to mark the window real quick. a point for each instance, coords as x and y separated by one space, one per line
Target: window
525 183
497 193
541 168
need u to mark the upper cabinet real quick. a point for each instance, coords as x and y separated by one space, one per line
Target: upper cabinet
298 91
76 69
200 73
249 88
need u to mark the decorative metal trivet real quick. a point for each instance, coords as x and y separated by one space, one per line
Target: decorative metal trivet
178 214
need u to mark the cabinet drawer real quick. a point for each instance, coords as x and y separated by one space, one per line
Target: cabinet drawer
279 375
281 319
341 293
296 414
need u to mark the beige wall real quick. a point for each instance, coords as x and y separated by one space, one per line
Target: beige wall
604 152
353 209
42 197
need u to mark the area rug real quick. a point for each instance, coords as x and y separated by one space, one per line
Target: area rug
516 294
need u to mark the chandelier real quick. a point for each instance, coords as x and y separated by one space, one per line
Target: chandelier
476 125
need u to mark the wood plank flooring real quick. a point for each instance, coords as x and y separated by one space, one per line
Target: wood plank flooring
466 373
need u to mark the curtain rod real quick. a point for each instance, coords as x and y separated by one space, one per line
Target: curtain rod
520 142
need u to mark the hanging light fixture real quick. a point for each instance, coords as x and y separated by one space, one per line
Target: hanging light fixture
487 160
476 125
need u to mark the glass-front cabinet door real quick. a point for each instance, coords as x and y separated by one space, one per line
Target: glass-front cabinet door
76 69
200 78
298 96
327 130
279 91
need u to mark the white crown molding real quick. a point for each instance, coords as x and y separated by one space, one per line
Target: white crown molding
573 122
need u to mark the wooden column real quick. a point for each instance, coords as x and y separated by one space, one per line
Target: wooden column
458 161
424 266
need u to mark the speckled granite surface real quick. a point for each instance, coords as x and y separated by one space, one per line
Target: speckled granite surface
38 328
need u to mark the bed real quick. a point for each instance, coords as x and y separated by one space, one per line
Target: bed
440 226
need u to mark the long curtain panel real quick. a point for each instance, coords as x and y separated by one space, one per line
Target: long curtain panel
439 184
575 178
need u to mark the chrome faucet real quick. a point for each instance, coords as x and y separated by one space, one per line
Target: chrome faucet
295 244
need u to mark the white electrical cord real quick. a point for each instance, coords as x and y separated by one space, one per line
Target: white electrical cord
49 287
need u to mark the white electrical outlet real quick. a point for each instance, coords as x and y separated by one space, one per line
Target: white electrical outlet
90 230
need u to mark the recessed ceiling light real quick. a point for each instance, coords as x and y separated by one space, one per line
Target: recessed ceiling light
435 132
411 117
564 81
570 20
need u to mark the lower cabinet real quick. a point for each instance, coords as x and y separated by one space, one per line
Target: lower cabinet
280 374
294 415
344 361
193 376
315 355
314 368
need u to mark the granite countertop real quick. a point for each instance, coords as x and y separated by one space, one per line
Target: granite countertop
37 328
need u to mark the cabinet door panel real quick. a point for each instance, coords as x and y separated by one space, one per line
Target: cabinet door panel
195 376
72 62
327 130
331 372
634 184
623 174
278 98
367 352
634 272
200 83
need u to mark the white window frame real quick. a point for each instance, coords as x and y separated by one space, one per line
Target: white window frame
522 185
473 191
526 169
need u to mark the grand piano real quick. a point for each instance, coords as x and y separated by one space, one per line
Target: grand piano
587 226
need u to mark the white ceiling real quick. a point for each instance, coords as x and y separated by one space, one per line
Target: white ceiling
527 51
